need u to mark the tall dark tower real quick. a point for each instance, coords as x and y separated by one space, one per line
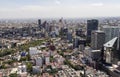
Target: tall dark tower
91 25
79 32
39 22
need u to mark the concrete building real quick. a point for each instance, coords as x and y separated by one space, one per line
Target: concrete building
68 72
59 59
78 41
81 47
36 69
22 71
111 54
97 39
39 61
92 56
111 32
53 34
22 68
63 32
33 51
79 32
69 36
75 43
47 60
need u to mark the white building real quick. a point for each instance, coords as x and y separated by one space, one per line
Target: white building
22 70
36 69
59 59
111 32
38 61
47 60
34 51
108 50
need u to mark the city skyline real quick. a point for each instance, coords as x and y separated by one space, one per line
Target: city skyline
58 8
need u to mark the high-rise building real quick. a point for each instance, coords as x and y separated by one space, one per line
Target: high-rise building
69 36
75 42
97 39
78 41
39 22
79 32
64 30
91 25
111 32
111 51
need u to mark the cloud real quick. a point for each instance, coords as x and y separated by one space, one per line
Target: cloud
33 11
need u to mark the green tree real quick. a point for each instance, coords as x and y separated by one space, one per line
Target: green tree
13 75
51 58
29 67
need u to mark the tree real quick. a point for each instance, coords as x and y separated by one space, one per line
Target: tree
51 59
13 75
29 67
3 66
28 56
23 59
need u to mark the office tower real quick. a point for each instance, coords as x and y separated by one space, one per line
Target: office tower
79 32
57 30
92 56
111 32
44 24
69 36
111 54
61 20
97 39
78 41
91 25
64 32
39 22
81 47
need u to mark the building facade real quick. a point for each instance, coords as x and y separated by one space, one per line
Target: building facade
91 25
97 39
111 32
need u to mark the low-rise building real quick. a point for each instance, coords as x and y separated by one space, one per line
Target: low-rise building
39 61
36 69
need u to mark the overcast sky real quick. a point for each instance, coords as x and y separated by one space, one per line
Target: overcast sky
58 8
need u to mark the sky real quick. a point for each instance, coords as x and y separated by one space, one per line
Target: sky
58 8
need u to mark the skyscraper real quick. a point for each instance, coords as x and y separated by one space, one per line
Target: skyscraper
79 32
91 25
69 36
97 39
111 32
111 53
64 32
39 22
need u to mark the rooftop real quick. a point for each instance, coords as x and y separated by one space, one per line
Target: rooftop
111 42
107 26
